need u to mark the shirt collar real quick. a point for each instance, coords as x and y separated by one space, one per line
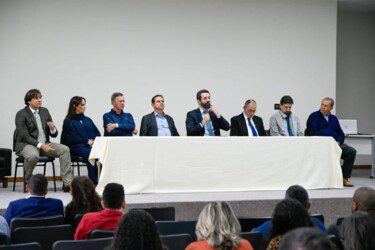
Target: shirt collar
33 110
201 110
157 115
114 112
284 115
36 196
112 212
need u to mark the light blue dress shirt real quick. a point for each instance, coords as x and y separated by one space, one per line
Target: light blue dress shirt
208 128
163 127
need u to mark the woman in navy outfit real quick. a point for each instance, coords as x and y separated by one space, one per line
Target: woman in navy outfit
79 133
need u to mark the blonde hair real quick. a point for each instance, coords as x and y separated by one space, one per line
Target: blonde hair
218 225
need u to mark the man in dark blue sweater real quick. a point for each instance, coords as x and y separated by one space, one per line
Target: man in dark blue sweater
117 122
323 123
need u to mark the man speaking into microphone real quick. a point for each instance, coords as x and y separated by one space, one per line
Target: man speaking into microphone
205 120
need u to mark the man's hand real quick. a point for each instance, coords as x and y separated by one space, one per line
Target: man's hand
206 119
111 126
46 148
51 125
214 111
134 132
90 142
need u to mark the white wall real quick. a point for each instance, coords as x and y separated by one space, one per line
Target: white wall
355 66
237 49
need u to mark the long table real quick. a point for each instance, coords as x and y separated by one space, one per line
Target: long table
217 164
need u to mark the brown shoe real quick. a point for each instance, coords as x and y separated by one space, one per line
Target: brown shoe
347 183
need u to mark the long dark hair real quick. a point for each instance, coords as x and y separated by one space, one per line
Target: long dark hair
84 197
288 215
74 102
357 231
137 230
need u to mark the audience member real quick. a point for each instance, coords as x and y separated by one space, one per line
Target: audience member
4 227
218 228
358 231
113 204
84 199
137 230
36 205
306 239
300 194
288 215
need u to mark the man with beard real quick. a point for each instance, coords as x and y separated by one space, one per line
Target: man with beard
205 120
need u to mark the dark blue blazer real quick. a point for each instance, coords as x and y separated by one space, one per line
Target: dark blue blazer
34 207
125 123
194 118
317 125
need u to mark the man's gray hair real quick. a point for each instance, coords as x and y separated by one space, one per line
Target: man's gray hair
329 99
116 94
250 101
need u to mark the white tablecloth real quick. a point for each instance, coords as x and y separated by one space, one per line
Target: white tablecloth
214 164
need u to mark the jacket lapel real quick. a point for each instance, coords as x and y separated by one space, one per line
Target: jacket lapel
243 124
154 124
31 115
198 114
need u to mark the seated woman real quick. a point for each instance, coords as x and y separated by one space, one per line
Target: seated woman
79 132
218 228
84 199
288 214
136 230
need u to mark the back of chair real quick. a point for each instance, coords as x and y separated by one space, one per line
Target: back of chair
160 213
35 222
92 244
26 246
177 227
248 224
336 242
99 234
5 162
177 241
45 236
77 220
255 239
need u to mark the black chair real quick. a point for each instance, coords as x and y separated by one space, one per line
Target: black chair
35 222
256 240
42 162
5 164
177 241
319 217
45 236
248 224
77 161
336 242
77 220
99 234
160 213
26 246
93 244
177 227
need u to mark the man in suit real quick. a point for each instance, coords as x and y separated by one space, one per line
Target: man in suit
247 123
158 123
323 123
284 122
205 120
34 126
37 205
117 122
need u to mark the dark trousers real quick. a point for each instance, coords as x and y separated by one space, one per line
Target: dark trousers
348 155
84 152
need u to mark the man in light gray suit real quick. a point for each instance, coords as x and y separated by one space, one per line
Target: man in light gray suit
34 126
284 122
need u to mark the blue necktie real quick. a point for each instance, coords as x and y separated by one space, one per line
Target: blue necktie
290 133
209 126
252 128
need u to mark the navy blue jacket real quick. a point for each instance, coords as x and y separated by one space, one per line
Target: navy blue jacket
317 125
78 130
125 123
194 118
34 206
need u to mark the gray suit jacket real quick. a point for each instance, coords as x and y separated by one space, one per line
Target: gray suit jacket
27 130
